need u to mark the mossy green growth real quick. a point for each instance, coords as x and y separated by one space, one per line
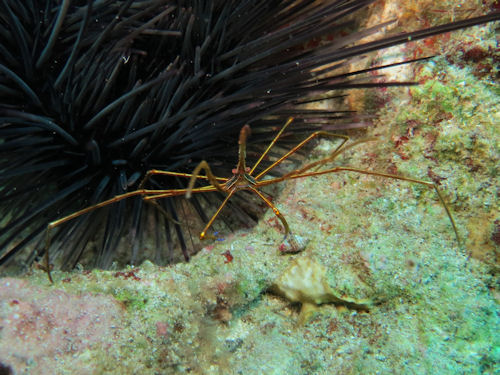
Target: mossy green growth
436 96
448 133
468 134
132 299
250 288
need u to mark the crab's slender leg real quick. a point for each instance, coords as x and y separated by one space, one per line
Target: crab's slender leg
86 210
288 122
177 192
209 175
161 193
289 236
275 210
339 150
372 173
204 232
316 134
153 172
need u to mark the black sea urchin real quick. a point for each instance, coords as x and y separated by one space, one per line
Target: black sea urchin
95 93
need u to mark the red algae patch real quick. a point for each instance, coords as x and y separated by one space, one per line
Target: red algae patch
41 327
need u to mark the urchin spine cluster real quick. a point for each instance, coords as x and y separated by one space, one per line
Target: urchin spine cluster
95 93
